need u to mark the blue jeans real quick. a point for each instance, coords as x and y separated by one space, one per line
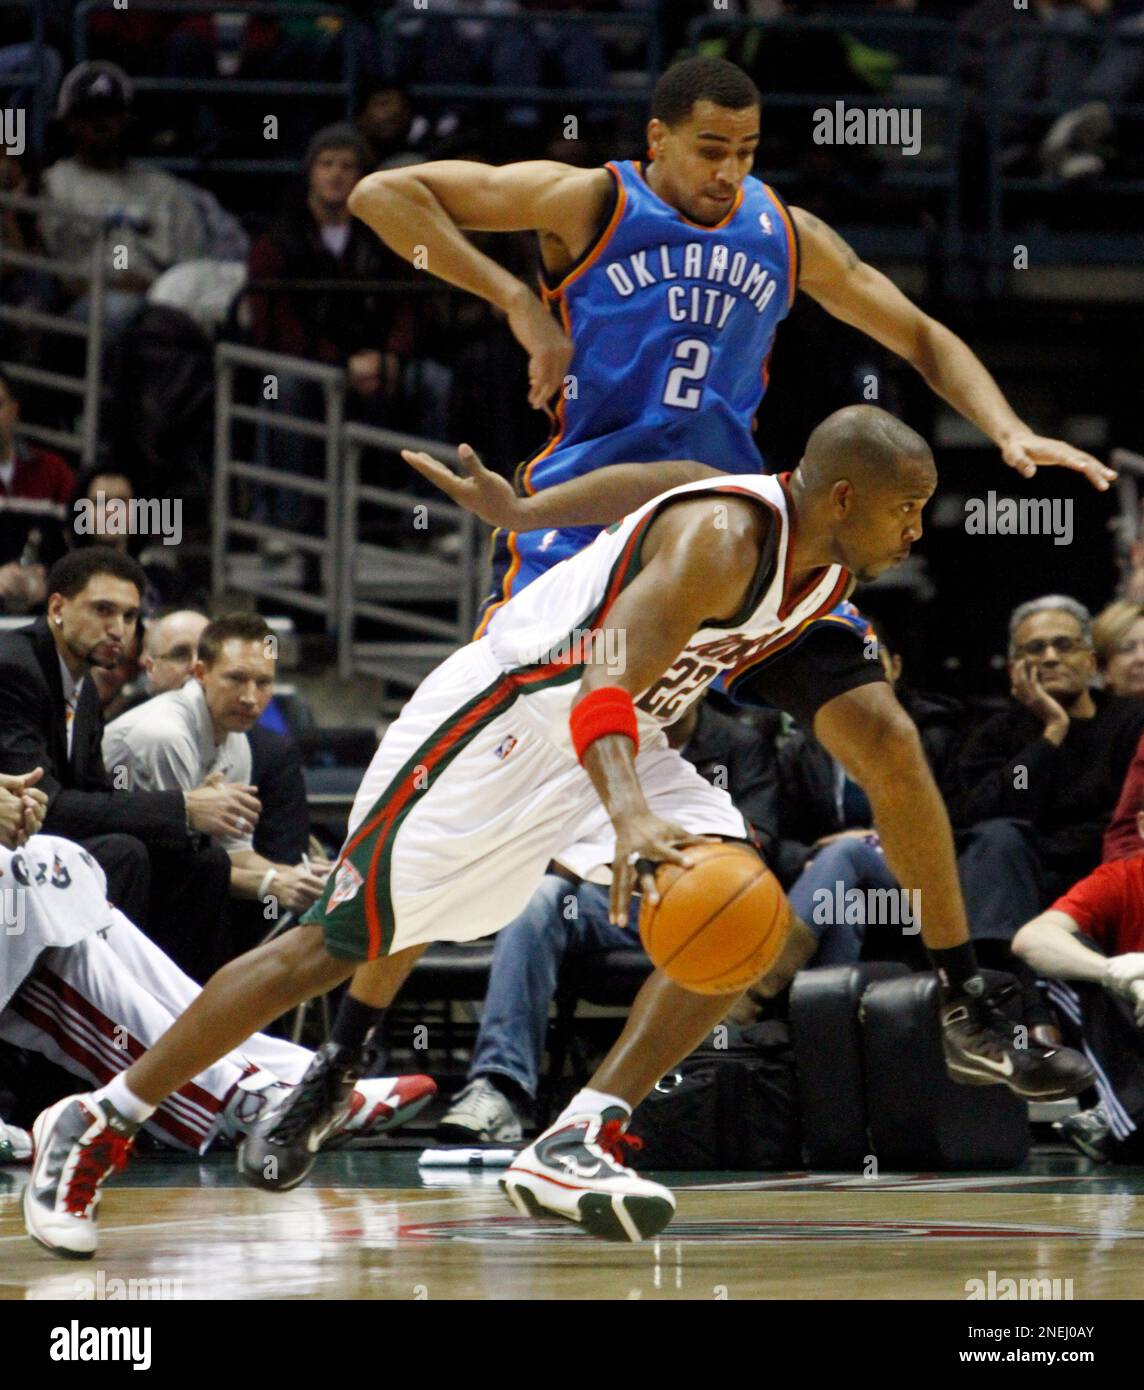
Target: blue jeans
561 917
851 863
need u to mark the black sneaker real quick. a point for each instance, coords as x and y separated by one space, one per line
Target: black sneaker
981 1049
280 1150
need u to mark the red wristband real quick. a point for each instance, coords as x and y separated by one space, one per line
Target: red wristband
607 710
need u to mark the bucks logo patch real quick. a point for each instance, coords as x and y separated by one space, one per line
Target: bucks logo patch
347 881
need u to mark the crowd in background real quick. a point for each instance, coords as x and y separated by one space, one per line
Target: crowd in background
1044 785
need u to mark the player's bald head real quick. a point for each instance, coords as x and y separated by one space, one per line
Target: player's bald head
867 447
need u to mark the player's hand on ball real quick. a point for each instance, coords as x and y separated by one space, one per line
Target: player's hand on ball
1026 452
549 348
644 836
484 493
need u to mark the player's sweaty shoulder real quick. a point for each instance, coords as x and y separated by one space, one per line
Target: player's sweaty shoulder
712 534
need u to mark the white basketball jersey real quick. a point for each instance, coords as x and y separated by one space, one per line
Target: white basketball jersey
545 634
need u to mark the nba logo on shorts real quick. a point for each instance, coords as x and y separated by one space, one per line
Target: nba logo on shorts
347 881
502 750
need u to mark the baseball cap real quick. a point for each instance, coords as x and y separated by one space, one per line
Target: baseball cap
93 85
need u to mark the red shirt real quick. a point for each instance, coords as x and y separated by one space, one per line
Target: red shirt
1108 905
1121 838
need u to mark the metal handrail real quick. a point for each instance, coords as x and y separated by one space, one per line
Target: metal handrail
229 357
85 441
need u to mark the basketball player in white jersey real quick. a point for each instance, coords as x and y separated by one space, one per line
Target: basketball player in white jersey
536 738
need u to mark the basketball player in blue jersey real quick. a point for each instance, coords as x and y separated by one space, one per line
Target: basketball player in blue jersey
663 285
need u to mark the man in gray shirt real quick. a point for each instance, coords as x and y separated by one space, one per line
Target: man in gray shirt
198 733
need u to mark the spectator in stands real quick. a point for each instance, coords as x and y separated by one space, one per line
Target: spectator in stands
375 336
1068 54
169 649
1118 641
567 916
35 489
198 733
150 534
50 718
392 134
156 223
1090 945
1033 786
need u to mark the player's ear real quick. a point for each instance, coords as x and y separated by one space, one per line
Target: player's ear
656 131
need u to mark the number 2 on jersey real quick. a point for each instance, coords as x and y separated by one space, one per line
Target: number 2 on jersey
695 358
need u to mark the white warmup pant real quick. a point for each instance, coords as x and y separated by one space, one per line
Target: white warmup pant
95 1006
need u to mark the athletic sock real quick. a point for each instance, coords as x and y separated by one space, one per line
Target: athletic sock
121 1098
589 1102
355 1023
958 971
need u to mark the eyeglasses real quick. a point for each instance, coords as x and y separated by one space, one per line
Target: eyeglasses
177 654
1063 646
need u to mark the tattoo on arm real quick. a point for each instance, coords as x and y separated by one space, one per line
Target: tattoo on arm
841 245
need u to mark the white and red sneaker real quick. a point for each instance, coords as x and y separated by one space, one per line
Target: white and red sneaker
79 1143
576 1170
379 1105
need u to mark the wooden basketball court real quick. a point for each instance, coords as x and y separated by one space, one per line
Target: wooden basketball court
370 1225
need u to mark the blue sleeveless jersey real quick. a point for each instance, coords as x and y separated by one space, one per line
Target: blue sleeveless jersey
672 325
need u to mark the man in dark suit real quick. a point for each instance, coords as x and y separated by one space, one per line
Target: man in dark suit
159 872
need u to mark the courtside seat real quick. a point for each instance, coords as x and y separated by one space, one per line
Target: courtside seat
451 970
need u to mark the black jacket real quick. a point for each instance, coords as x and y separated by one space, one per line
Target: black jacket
1007 769
283 829
33 733
733 755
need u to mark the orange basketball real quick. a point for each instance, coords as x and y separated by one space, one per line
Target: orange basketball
720 924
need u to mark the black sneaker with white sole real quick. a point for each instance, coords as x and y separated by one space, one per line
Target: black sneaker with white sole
984 1047
575 1170
280 1150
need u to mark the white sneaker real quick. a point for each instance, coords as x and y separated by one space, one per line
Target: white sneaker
576 1170
15 1144
78 1144
480 1114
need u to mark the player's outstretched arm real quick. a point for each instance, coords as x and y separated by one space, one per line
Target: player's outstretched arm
832 273
420 212
699 560
596 499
